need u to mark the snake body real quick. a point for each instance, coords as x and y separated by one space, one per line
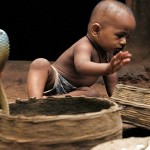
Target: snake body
4 54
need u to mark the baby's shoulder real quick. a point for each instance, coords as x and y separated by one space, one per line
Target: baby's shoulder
83 44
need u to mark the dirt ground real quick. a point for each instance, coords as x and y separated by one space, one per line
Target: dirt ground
14 79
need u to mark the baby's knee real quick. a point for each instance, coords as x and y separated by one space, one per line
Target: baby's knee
90 92
40 63
93 93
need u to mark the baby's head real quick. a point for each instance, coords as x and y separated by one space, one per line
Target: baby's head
110 25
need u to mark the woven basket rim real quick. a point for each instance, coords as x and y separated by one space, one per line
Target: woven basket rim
115 107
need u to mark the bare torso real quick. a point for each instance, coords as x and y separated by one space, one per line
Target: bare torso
66 67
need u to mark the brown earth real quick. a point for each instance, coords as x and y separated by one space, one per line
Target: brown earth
14 78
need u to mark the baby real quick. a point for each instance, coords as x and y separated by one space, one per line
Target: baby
98 53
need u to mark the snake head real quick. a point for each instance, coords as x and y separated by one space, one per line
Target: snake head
4 49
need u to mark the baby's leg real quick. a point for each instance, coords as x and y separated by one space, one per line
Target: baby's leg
39 72
82 91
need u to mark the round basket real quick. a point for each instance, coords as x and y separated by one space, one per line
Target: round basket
132 143
59 123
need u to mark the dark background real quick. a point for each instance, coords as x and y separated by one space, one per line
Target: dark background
43 28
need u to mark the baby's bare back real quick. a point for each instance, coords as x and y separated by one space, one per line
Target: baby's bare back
67 68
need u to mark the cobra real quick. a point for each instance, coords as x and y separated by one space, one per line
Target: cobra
4 54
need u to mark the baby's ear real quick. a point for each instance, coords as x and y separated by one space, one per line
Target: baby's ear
95 29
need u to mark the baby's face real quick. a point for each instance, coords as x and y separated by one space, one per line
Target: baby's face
113 36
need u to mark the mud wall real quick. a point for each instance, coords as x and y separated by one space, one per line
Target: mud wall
47 28
139 42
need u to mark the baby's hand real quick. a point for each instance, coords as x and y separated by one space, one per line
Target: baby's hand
119 60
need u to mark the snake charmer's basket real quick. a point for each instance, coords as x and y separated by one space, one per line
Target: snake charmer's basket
132 143
136 104
69 123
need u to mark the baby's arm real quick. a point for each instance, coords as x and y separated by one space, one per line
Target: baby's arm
116 63
110 82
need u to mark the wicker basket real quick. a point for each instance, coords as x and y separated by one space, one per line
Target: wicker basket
136 104
132 143
69 123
